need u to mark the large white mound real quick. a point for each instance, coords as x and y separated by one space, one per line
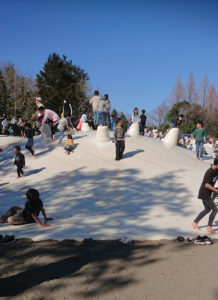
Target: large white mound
171 139
150 194
102 134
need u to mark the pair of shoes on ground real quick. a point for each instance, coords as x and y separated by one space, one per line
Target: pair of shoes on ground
199 240
202 240
7 239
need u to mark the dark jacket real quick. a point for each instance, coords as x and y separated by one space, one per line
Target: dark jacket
119 133
19 160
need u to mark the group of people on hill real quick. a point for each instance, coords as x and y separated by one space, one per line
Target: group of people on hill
101 109
141 119
13 127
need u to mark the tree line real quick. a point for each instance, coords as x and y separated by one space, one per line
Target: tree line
60 79
195 103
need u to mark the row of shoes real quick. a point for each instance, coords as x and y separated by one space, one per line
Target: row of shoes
199 240
7 239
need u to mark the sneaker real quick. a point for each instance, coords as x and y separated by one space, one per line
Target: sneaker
3 219
189 241
207 240
7 239
180 239
199 240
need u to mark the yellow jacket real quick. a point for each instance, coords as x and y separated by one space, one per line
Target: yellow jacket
69 142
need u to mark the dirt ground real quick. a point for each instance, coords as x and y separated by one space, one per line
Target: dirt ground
108 270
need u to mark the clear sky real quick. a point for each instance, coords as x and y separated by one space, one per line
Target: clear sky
132 49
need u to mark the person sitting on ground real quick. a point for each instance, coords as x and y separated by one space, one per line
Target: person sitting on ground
119 140
29 135
62 123
19 161
206 195
30 214
11 131
69 146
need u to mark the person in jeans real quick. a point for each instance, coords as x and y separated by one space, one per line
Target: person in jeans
102 108
19 161
69 145
107 110
62 123
206 195
119 140
200 136
94 101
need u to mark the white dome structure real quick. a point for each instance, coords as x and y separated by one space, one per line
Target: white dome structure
102 134
134 129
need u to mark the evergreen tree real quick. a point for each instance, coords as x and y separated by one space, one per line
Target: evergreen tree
114 114
3 95
60 80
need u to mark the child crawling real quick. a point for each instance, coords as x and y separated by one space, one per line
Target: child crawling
29 214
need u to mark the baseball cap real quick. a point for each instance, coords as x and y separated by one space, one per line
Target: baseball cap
39 99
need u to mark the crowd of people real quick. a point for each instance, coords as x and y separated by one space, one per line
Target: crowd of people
49 120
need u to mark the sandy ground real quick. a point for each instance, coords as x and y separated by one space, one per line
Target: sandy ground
150 194
67 269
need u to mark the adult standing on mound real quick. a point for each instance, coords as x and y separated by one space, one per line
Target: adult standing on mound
94 101
67 111
49 114
176 123
108 110
200 136
206 195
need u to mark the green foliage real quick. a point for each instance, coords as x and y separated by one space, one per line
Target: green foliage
176 109
60 79
125 121
114 114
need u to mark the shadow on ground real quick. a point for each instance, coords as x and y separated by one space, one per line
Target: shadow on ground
71 259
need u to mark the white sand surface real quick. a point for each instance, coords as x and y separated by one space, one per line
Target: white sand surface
150 194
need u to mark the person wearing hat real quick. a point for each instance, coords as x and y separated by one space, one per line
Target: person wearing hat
207 194
38 101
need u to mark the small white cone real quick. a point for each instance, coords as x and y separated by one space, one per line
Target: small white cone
85 127
171 138
134 129
102 134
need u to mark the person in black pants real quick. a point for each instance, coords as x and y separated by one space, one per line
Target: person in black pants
29 136
142 122
19 161
119 140
206 195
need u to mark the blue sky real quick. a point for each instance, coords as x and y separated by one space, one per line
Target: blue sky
132 49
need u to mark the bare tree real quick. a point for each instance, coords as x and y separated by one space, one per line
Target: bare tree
178 93
191 95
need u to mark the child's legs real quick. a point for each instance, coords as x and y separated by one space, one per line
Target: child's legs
16 220
197 149
13 211
201 149
19 171
61 135
117 150
68 148
122 148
